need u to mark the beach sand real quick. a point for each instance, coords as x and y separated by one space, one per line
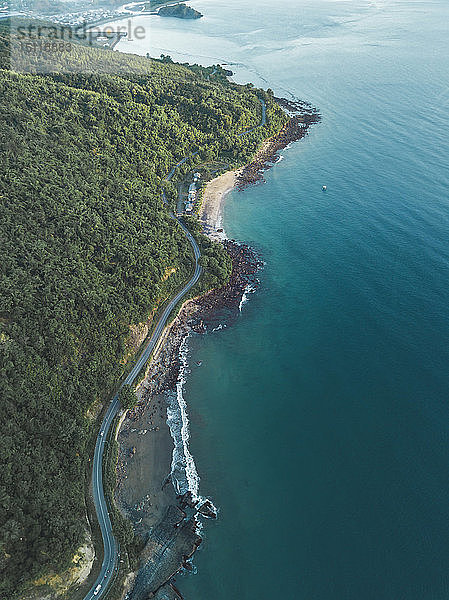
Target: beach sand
211 207
210 214
146 448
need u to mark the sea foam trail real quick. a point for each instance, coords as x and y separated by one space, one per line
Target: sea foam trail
249 289
184 475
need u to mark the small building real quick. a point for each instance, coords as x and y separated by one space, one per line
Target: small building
192 192
189 207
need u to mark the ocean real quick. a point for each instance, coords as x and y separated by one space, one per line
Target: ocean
320 419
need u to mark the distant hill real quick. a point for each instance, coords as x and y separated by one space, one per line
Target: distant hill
182 11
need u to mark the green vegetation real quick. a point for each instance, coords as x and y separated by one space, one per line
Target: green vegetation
216 262
87 248
127 397
182 11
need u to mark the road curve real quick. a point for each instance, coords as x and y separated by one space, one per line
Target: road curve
111 549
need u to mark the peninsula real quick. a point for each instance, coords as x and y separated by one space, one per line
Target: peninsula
181 11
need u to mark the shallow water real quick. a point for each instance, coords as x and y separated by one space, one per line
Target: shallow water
320 420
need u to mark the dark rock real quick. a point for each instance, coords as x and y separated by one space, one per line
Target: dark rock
302 116
208 510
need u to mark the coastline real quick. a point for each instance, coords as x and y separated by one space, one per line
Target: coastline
302 116
158 486
210 213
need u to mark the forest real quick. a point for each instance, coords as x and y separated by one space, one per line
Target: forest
85 245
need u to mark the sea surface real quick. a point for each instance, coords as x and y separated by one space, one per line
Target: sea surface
320 420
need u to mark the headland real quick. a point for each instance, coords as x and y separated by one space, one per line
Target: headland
158 486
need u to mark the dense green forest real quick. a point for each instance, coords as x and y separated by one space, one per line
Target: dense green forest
85 245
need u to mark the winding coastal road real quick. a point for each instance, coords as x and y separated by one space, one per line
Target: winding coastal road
111 549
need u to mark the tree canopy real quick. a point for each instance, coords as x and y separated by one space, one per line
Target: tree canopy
127 397
86 242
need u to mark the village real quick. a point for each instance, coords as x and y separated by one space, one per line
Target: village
189 194
190 189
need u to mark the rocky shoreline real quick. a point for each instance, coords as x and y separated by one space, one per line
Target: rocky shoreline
302 116
171 534
169 522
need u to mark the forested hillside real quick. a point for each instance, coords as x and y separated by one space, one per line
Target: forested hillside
85 246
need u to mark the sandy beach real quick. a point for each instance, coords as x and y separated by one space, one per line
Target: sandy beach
210 214
211 207
145 492
146 447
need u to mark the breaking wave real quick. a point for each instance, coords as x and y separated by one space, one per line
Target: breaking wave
183 470
249 289
184 475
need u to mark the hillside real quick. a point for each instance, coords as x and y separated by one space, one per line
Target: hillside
181 11
85 248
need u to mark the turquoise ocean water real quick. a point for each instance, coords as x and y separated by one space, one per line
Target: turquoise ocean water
320 420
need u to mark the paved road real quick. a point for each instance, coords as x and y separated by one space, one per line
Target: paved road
263 120
111 549
181 162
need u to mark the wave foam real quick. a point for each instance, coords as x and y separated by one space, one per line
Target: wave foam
249 289
184 475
